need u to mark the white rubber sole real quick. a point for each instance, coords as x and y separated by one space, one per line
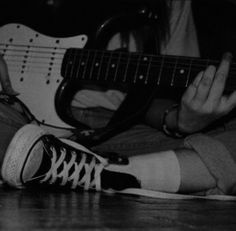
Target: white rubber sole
174 196
17 152
21 144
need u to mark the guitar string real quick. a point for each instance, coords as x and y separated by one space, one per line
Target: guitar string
110 76
134 56
169 66
106 51
53 64
21 63
134 59
182 58
57 65
153 61
111 79
34 46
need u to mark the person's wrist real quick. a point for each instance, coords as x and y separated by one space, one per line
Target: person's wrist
171 119
170 122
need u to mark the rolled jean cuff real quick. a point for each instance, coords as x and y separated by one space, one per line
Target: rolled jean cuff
217 159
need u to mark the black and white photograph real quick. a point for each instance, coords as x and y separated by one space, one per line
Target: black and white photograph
118 115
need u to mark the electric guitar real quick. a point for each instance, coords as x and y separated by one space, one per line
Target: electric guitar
47 72
34 64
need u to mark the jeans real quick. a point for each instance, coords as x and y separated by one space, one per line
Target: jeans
10 121
217 148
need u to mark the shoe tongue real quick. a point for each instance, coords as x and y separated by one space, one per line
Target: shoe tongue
38 162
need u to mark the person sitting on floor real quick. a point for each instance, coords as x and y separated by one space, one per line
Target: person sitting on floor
198 162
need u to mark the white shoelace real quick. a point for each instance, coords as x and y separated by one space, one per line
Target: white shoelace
77 180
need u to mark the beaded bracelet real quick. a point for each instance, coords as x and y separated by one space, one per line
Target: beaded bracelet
166 130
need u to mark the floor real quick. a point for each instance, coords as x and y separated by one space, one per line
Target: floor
40 210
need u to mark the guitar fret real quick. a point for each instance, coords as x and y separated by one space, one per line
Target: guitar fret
92 65
148 70
126 69
160 71
121 66
85 64
78 66
143 68
112 75
68 64
137 68
181 75
167 71
133 68
189 72
73 64
117 66
108 65
100 66
173 74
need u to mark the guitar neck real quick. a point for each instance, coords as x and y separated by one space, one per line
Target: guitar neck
136 68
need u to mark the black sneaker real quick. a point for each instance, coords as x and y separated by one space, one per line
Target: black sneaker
35 157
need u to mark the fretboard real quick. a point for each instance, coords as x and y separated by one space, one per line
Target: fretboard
132 68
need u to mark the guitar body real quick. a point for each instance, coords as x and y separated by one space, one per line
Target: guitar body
48 72
34 64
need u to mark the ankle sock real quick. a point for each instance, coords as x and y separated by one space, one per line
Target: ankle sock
157 171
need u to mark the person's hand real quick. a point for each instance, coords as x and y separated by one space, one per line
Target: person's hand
5 79
203 102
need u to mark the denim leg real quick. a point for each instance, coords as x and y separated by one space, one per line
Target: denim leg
10 121
139 139
92 117
217 150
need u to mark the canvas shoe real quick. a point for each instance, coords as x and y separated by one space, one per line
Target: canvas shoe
35 158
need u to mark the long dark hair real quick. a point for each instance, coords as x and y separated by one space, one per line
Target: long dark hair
149 36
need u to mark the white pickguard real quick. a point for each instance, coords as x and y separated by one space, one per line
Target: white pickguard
34 63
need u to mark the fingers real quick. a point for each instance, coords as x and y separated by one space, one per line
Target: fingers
205 84
191 90
203 101
228 103
197 80
210 87
221 75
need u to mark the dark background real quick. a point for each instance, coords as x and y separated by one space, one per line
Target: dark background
216 26
215 19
